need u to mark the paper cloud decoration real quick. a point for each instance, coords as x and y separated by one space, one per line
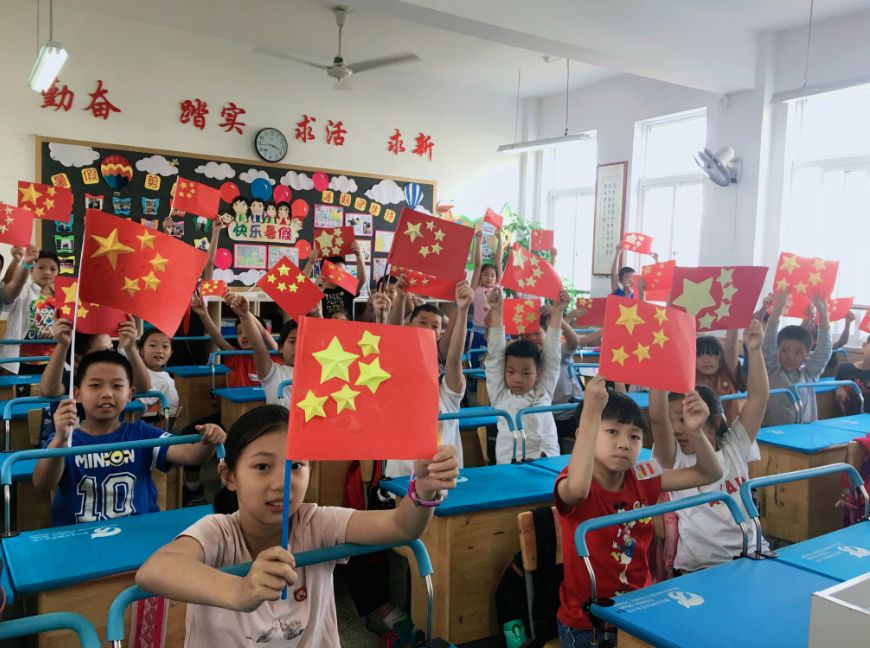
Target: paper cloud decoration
248 277
71 155
386 192
297 181
342 184
216 171
252 174
157 165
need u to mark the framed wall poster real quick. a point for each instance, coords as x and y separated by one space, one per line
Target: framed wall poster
278 252
379 268
366 249
250 256
328 216
610 190
361 223
383 240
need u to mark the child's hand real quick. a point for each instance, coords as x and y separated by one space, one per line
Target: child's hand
270 573
317 311
127 334
197 305
850 317
30 254
546 309
767 301
495 300
354 247
655 256
62 331
695 411
17 252
779 300
238 304
753 335
464 295
437 473
595 395
66 419
563 303
381 304
212 434
822 309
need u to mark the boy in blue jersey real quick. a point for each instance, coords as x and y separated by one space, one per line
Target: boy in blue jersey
116 483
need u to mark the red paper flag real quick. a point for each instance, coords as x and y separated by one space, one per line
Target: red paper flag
341 278
138 270
521 316
496 220
530 274
431 245
648 345
213 288
805 276
45 201
719 298
92 318
637 242
839 307
542 240
426 285
288 287
16 225
659 277
335 241
193 197
363 391
865 322
594 307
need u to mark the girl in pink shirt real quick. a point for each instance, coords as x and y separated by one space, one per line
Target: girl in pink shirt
486 277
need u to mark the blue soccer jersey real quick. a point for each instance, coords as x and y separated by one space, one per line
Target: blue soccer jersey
111 484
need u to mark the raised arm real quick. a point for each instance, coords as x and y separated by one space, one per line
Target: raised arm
818 359
51 381
498 262
769 347
453 365
575 487
757 385
478 257
614 268
707 468
214 332
552 351
312 259
847 331
216 227
732 352
13 264
397 312
262 359
664 444
572 340
196 454
361 277
494 366
19 278
127 334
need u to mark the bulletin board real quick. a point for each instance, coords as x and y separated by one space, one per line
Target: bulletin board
261 203
610 190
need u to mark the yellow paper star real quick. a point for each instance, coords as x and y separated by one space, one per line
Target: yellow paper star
334 361
324 241
424 251
282 287
815 278
439 234
430 225
131 286
660 338
661 315
283 270
436 248
110 247
146 240
537 272
369 342
695 296
271 278
789 263
728 292
312 405
706 321
723 311
39 211
158 262
518 318
82 311
29 194
50 191
345 398
300 278
619 355
292 287
628 317
800 287
48 203
819 264
413 231
641 352
371 375
65 310
520 258
69 292
782 285
151 281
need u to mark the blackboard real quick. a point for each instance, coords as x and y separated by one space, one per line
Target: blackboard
138 183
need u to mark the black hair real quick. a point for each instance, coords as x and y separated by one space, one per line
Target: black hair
249 427
524 349
83 343
240 199
283 203
105 356
717 413
427 308
707 345
334 259
147 334
619 408
487 266
383 281
286 330
259 200
795 332
624 271
52 256
271 204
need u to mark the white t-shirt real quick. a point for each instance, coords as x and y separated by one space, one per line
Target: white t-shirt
448 431
161 381
305 620
278 373
708 534
18 321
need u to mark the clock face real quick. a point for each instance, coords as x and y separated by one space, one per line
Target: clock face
271 144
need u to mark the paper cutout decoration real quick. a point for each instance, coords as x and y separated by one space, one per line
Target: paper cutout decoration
838 308
530 274
431 245
659 277
16 225
521 316
138 270
865 322
719 298
542 240
594 307
193 197
117 171
353 383
45 201
334 241
288 287
92 318
496 220
213 288
637 242
805 277
426 285
341 278
648 345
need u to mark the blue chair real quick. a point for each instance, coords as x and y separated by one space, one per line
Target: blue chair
15 405
115 621
785 391
25 358
478 412
85 632
828 384
164 402
222 353
11 341
540 409
284 384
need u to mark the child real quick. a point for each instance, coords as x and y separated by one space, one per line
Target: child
155 349
859 372
707 534
518 377
719 369
599 480
337 299
486 277
387 285
114 484
788 360
225 610
271 374
621 279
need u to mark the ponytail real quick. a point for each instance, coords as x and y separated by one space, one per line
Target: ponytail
226 501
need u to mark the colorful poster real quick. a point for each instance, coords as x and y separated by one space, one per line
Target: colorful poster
361 223
250 256
383 240
379 268
278 252
366 249
327 216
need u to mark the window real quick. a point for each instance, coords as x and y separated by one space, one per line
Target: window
669 188
569 178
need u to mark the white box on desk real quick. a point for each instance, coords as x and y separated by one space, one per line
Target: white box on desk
840 615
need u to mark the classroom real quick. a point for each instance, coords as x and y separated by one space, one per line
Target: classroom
430 324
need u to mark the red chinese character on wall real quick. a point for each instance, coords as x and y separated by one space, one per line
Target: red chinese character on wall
195 110
396 144
230 114
335 132
304 132
100 106
58 98
423 145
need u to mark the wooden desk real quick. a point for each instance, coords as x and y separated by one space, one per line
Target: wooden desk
470 540
326 482
235 401
193 384
9 382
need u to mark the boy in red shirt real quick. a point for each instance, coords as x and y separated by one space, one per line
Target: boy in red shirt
600 480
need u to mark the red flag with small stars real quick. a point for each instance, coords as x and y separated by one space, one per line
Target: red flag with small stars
528 273
426 285
648 345
92 318
193 197
865 322
213 288
839 307
16 225
719 298
521 316
805 277
341 278
288 287
45 201
431 245
594 307
637 242
334 241
353 381
496 220
542 240
659 277
138 270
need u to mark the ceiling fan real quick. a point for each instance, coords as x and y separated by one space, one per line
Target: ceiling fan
339 70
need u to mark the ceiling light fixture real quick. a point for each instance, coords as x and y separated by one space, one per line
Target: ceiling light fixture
51 57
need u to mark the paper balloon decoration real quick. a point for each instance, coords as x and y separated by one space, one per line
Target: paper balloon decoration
321 181
260 188
223 258
299 209
304 248
413 194
229 191
282 193
116 171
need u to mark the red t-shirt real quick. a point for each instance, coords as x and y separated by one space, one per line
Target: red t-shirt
618 553
243 370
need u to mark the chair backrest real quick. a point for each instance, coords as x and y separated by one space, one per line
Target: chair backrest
528 539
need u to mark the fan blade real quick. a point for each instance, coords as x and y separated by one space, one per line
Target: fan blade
371 64
259 49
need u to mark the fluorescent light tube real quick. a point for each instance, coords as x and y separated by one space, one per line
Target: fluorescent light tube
51 58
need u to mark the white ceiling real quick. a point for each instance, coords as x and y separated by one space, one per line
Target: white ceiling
706 44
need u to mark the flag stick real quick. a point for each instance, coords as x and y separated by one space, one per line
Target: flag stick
72 340
285 509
